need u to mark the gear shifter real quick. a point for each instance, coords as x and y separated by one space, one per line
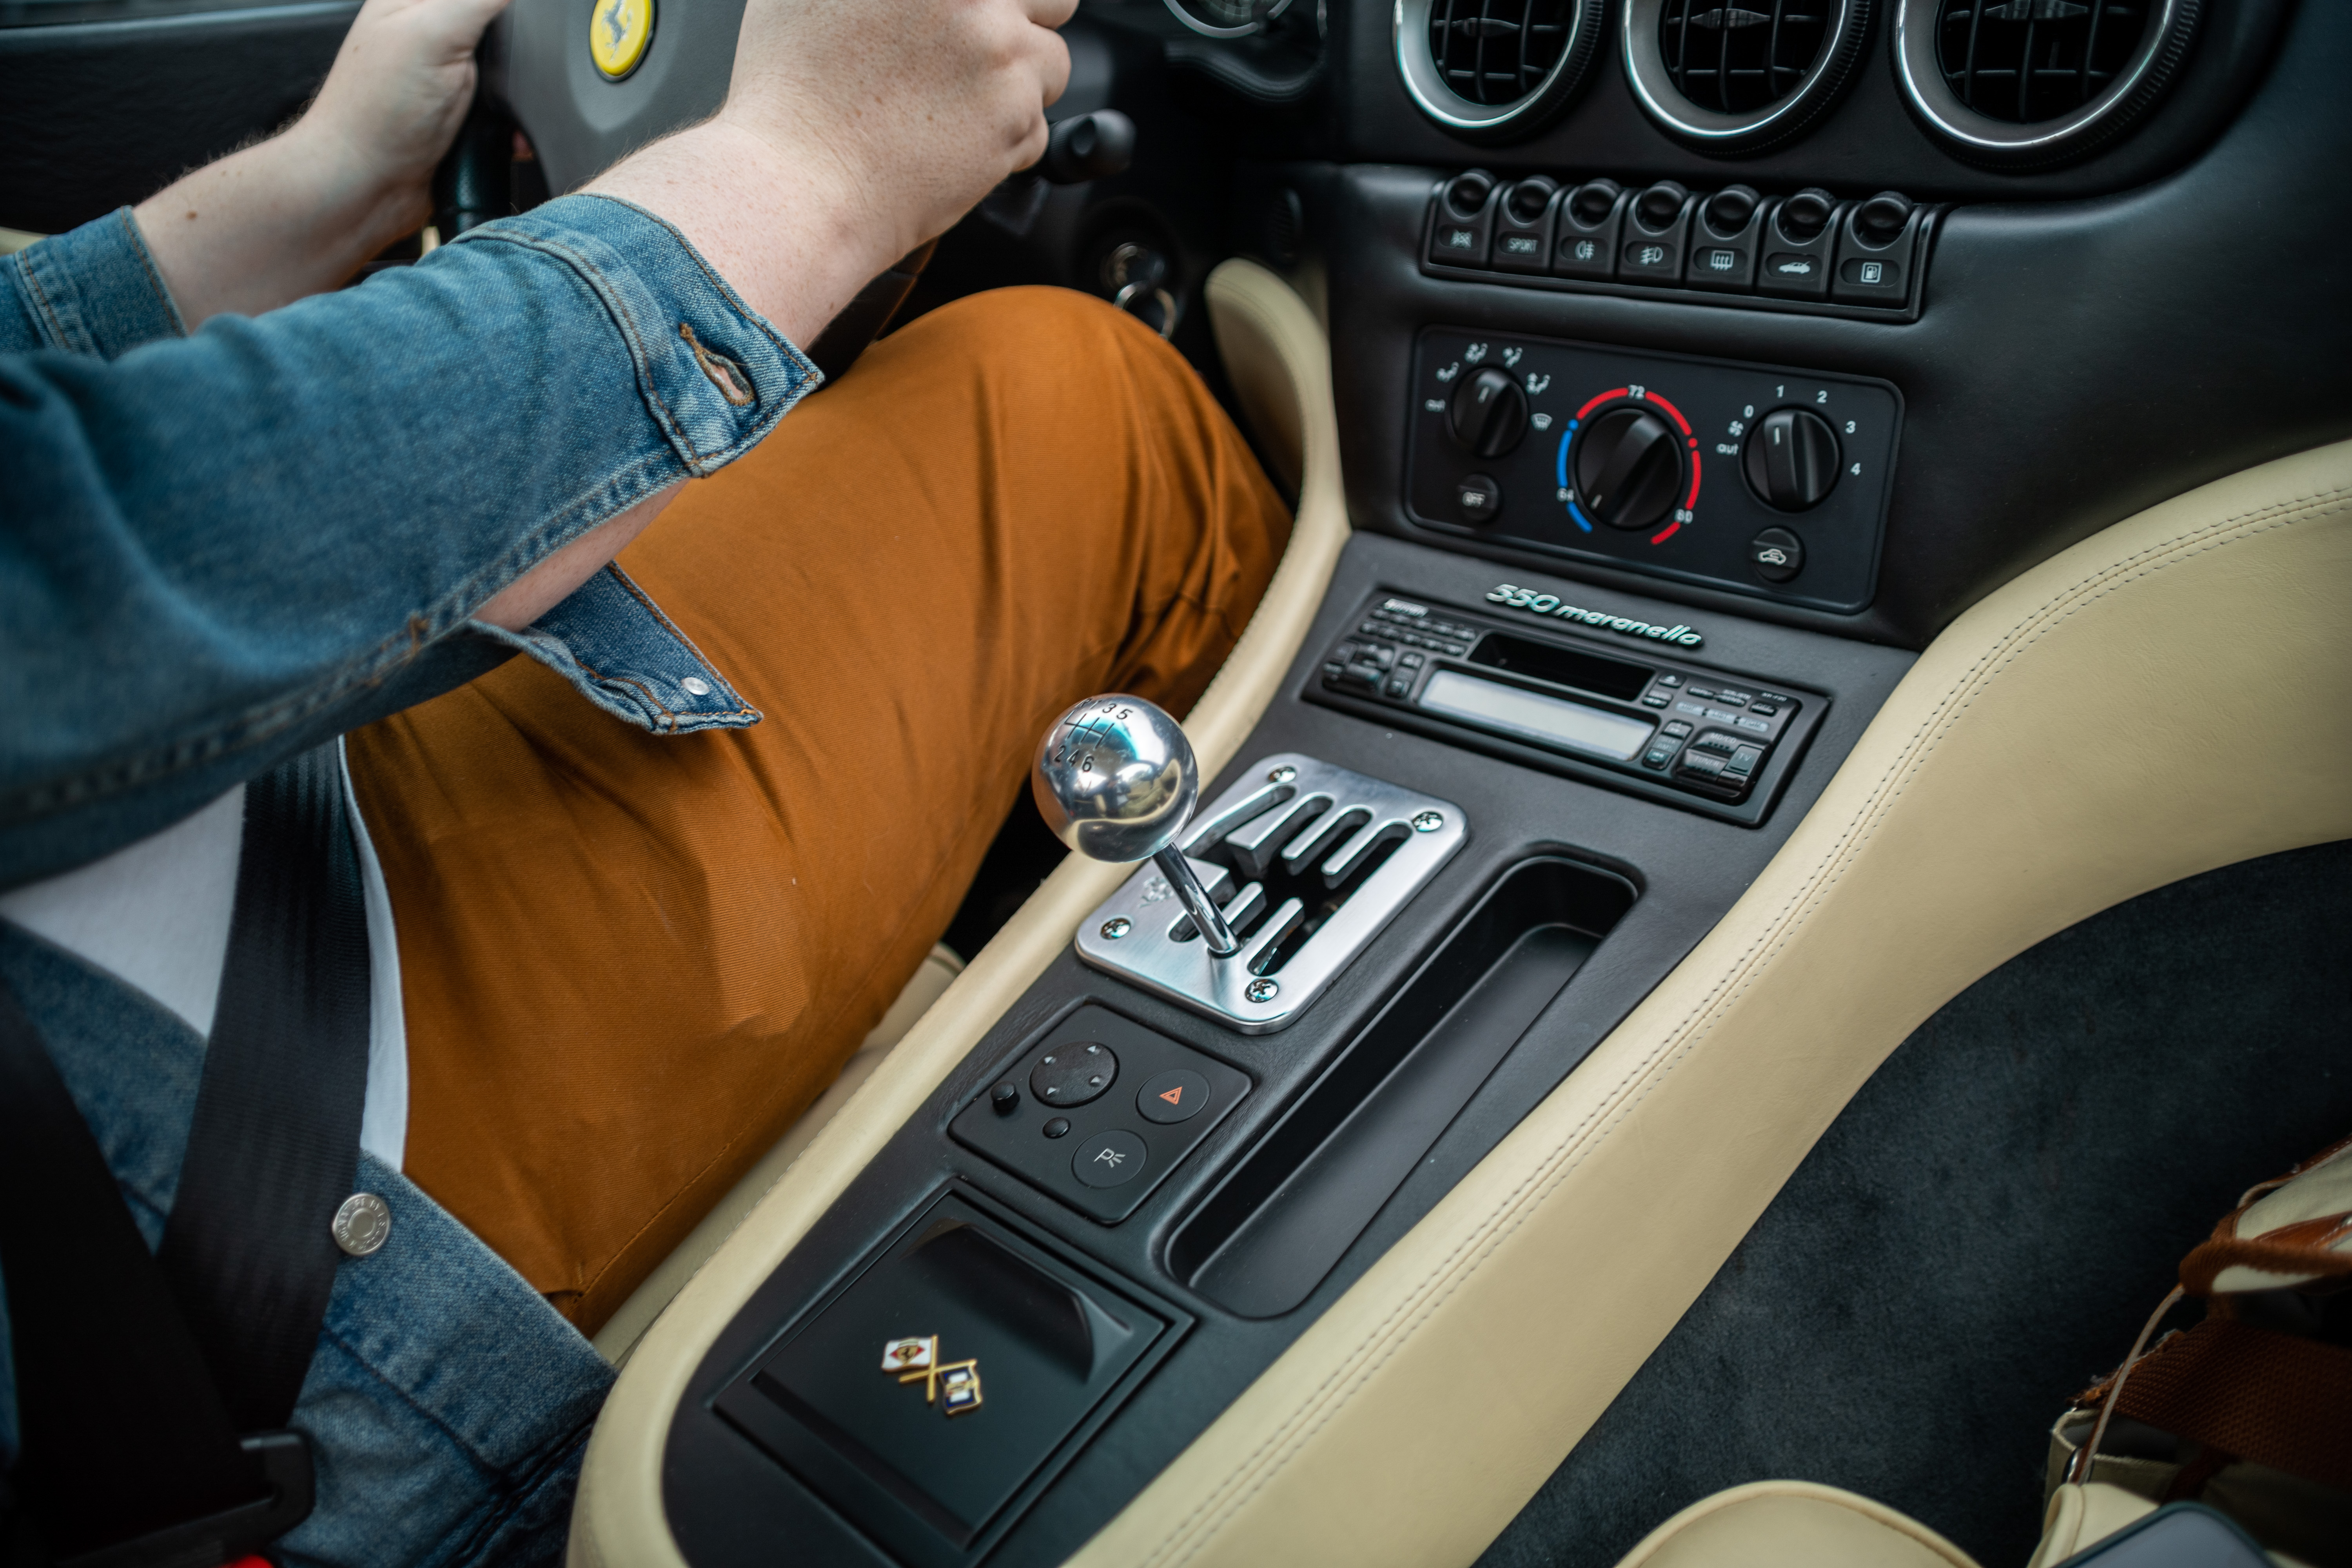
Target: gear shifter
1116 780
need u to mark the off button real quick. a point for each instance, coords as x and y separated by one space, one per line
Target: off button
1174 1096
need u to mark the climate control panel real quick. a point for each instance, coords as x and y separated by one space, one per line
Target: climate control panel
1767 481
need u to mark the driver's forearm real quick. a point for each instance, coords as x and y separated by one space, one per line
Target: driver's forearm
281 220
794 236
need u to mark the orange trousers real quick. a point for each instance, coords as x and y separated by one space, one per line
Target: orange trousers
630 962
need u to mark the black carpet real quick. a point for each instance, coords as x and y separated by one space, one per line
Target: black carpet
1981 1232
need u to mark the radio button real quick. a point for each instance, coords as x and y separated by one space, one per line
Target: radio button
1655 699
1743 761
1675 727
1659 755
1398 685
1411 660
1747 724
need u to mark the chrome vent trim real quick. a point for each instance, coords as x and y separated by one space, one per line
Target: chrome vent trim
1319 828
1494 69
1940 84
1802 94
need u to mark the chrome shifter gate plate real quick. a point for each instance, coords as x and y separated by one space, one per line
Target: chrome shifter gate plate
1309 863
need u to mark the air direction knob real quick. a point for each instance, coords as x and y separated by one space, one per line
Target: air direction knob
1791 459
1489 414
1629 467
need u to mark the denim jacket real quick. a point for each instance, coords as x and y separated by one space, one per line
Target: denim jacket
396 454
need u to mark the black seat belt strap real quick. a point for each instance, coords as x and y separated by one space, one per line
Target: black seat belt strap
122 1431
273 1151
138 1373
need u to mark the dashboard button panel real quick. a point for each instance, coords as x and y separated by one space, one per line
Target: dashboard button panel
1767 481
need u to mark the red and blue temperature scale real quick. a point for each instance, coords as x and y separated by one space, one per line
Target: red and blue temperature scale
1568 439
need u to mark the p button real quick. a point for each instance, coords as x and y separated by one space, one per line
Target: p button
1174 1096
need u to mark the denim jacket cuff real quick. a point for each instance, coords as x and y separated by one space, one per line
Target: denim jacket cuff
613 643
714 375
95 290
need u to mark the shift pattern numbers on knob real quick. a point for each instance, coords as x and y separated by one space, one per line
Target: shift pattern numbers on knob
1115 778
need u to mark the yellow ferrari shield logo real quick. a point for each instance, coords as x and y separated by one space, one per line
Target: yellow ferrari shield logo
618 31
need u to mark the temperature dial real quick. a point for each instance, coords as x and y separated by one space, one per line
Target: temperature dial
1791 459
1629 467
1489 414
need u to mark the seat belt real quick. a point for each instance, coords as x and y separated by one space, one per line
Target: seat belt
152 1390
274 1148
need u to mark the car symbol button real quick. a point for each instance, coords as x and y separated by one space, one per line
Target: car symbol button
1174 1096
1109 1159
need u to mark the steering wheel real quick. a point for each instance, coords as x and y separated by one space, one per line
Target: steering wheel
587 81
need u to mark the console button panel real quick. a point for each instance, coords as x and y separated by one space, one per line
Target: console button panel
1811 251
1700 470
1147 1102
1662 727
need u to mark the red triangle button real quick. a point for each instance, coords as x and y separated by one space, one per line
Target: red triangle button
1174 1096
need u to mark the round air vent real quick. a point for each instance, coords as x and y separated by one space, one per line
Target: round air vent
1739 78
1490 70
2027 83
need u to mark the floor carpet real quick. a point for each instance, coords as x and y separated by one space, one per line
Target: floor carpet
1981 1231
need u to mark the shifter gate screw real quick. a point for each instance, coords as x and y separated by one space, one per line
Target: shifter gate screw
1113 929
1428 821
1282 775
1261 989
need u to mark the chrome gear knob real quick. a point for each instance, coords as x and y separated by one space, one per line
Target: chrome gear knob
1116 780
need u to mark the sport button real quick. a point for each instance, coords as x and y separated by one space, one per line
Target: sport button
1109 1159
1176 1095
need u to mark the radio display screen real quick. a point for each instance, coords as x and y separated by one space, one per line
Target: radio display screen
1531 715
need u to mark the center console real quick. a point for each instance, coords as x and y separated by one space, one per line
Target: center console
1159 1167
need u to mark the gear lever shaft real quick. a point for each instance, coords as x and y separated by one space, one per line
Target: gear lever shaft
1116 780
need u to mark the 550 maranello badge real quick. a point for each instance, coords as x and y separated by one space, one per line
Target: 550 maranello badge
618 32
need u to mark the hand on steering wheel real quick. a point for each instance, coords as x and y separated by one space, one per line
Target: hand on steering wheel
400 85
302 211
851 134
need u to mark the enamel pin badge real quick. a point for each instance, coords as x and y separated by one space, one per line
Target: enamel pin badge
953 1386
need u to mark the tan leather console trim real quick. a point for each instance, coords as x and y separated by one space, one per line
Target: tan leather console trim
1281 363
2115 719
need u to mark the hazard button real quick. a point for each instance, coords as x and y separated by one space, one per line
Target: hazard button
1174 1096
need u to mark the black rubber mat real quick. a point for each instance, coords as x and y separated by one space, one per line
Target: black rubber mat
1981 1232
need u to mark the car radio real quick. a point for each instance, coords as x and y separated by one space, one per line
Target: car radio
1708 741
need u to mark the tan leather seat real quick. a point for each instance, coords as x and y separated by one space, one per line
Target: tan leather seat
1793 1524
1802 1524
